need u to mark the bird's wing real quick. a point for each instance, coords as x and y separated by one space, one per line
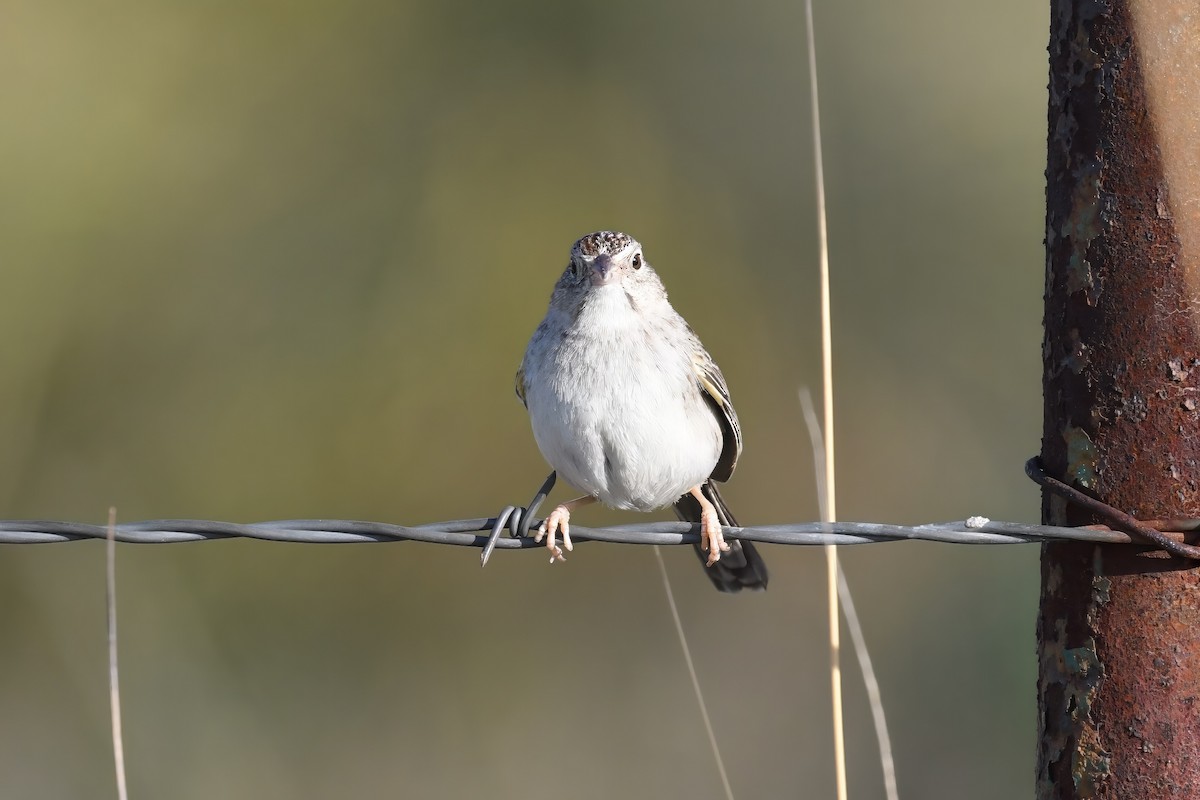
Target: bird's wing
519 385
716 393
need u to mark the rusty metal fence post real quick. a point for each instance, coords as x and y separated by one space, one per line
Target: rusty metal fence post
1119 626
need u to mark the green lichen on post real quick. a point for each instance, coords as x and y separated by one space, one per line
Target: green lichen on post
1101 586
1083 671
1081 457
1089 765
1083 674
1081 227
1076 673
1072 677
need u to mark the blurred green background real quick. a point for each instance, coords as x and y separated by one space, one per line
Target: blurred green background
273 260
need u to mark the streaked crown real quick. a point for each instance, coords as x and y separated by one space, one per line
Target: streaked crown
602 243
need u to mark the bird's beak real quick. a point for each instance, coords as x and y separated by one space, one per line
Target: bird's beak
604 271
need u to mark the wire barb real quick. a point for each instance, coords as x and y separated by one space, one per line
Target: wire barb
518 519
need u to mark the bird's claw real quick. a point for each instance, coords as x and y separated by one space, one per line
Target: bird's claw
559 520
712 538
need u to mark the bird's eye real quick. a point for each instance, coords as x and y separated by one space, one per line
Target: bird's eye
637 260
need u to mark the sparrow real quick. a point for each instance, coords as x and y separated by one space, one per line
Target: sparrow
628 406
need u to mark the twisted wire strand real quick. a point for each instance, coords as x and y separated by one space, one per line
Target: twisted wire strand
475 532
517 520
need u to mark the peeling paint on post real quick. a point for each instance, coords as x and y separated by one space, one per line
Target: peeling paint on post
1119 627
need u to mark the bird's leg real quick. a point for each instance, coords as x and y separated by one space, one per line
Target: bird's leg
560 519
711 537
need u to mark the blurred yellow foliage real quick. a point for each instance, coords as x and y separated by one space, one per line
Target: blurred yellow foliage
281 260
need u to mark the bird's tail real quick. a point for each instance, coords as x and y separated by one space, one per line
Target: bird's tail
742 567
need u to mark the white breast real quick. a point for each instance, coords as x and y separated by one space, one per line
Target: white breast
616 408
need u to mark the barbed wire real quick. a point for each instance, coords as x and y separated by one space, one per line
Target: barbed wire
473 532
485 532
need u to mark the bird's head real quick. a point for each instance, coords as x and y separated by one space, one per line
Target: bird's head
607 268
605 257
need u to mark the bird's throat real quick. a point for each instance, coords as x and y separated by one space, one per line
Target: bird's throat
609 308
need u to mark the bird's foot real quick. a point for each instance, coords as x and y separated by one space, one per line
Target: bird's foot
712 538
559 520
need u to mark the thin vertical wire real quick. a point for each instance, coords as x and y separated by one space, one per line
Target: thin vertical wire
687 656
114 690
830 495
